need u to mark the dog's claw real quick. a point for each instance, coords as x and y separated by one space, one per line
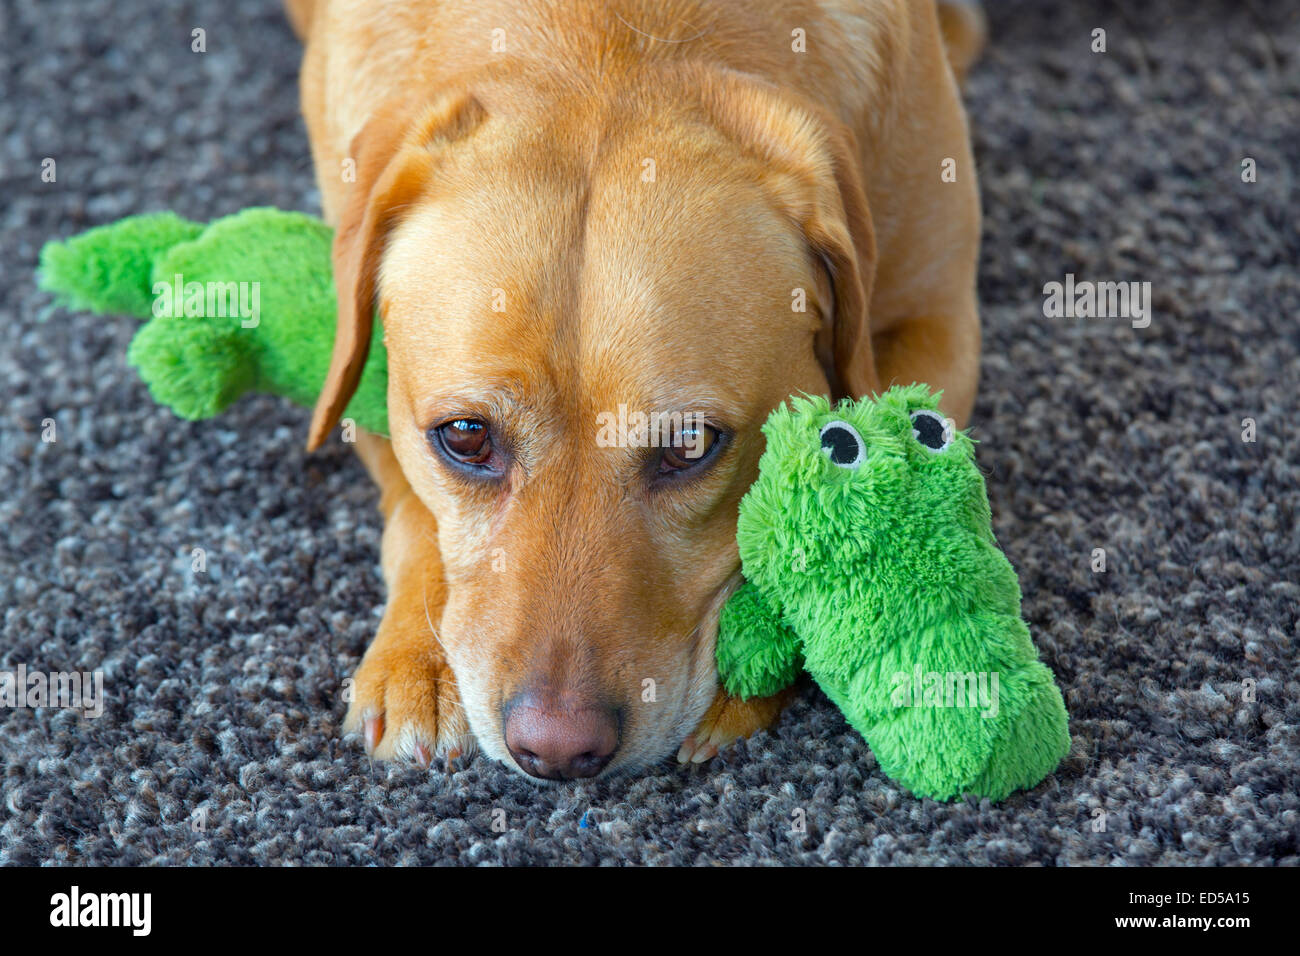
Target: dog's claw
374 732
728 719
695 751
451 757
687 748
422 755
707 752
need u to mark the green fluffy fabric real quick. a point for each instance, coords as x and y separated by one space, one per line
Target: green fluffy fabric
200 351
883 575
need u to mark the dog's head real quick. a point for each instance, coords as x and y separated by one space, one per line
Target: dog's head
590 308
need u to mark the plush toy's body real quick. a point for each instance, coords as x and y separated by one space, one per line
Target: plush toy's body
870 561
244 304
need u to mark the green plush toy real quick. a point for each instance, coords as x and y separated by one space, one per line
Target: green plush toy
870 562
244 304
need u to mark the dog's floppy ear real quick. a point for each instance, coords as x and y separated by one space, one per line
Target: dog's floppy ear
396 155
811 168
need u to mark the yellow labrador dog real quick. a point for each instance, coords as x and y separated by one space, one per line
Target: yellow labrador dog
570 213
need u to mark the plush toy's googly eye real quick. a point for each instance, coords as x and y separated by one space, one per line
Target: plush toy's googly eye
931 429
843 445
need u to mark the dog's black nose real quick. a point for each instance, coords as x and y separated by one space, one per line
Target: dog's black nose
557 743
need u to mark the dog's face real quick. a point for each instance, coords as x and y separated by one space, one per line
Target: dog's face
584 341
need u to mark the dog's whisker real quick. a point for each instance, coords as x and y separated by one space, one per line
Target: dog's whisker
429 619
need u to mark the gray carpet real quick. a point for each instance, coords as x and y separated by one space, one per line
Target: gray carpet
223 688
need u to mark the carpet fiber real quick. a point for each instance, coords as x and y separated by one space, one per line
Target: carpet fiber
220 737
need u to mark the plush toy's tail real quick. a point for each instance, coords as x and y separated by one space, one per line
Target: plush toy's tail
243 304
197 368
109 269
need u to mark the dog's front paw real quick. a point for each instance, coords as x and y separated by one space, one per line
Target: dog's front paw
405 702
727 720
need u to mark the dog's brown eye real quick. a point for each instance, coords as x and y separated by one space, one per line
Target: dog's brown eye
467 440
690 445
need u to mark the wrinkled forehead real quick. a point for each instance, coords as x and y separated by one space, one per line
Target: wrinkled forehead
641 220
650 261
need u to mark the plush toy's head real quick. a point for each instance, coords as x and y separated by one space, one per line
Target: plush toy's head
861 501
869 553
